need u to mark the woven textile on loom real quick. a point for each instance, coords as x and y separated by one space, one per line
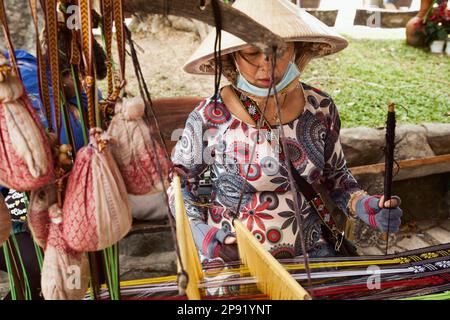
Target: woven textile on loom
418 274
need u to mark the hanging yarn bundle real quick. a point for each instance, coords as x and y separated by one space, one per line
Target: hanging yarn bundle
25 156
133 148
65 272
5 221
96 208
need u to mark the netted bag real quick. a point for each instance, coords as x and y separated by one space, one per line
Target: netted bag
96 208
25 155
5 221
65 272
133 150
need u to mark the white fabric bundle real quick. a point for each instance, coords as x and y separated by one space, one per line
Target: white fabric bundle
133 150
25 156
96 208
65 272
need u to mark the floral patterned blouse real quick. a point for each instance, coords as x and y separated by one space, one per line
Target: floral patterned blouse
216 141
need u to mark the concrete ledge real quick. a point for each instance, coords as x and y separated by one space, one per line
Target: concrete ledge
383 18
326 16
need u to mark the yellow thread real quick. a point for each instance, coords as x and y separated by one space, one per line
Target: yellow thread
188 251
272 278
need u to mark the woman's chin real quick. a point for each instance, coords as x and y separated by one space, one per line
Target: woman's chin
263 84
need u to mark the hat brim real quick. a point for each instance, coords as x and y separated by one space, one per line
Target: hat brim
297 25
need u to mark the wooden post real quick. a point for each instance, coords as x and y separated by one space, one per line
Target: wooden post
233 20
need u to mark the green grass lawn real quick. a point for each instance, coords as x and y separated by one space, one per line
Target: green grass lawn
364 78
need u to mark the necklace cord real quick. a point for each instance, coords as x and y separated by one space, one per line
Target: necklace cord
289 168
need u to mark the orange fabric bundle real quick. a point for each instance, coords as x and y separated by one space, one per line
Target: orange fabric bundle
96 208
133 150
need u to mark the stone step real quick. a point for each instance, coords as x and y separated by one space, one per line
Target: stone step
147 251
158 264
146 238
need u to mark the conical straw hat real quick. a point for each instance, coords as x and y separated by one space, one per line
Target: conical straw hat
281 17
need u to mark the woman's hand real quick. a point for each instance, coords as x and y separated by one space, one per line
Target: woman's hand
394 202
229 251
387 219
230 240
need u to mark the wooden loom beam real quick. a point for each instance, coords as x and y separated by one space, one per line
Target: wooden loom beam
233 21
411 168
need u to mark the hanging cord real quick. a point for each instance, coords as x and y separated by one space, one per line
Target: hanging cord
289 169
68 129
217 49
79 105
87 48
147 101
42 67
149 109
5 28
252 155
217 76
51 30
119 23
107 16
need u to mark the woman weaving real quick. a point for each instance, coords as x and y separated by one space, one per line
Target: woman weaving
221 133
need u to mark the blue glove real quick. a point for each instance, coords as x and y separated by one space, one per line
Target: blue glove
369 211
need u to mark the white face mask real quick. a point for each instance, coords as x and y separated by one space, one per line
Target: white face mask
290 75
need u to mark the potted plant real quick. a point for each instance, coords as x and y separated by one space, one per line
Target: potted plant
447 48
414 34
436 26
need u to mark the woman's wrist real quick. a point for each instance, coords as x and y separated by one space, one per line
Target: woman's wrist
354 198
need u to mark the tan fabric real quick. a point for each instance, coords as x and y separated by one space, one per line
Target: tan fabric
113 212
65 273
11 88
25 157
96 209
38 215
5 221
132 148
59 280
28 142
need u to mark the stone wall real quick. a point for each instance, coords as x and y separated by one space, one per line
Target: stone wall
363 145
147 252
20 25
424 197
